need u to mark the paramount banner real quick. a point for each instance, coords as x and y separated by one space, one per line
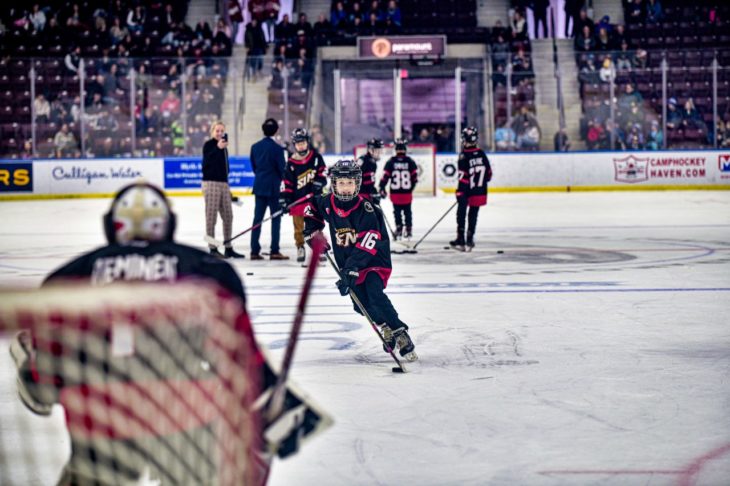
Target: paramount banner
398 47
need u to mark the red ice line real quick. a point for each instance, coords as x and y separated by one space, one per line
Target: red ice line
686 475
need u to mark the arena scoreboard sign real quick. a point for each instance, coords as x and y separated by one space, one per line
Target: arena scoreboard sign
399 47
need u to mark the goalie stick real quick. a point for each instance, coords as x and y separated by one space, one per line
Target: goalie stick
401 367
212 241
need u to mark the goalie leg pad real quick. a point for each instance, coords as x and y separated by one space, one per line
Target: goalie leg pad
21 352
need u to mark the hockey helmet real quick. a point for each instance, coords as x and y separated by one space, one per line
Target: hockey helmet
139 212
470 136
375 143
401 145
345 169
300 135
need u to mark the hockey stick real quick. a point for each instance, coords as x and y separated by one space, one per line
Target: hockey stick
279 392
212 241
401 367
434 226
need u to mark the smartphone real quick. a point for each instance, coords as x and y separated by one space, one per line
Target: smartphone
225 137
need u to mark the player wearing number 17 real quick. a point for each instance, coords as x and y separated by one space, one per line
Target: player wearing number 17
361 248
474 174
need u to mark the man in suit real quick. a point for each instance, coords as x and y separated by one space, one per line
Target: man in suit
268 162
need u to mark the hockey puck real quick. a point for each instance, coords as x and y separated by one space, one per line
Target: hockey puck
447 248
396 369
249 273
500 251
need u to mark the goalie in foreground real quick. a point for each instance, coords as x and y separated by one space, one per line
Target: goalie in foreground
166 381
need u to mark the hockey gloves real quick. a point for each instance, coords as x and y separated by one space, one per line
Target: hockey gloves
348 278
318 236
318 187
284 204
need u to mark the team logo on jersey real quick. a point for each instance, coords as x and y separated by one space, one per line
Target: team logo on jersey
308 210
368 207
345 237
631 169
723 162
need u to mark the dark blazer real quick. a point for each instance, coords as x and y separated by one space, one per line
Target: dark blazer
268 163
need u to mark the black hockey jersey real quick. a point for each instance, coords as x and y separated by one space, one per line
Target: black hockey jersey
402 172
300 177
150 261
369 166
475 172
357 231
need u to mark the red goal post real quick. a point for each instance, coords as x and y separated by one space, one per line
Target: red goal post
154 380
424 154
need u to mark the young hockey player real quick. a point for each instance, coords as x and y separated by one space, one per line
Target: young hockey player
361 249
304 174
474 174
369 165
402 172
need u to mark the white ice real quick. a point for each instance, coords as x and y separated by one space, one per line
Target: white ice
594 350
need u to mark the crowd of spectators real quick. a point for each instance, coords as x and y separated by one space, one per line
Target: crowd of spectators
131 51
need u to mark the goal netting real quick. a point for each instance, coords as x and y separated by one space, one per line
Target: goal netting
423 154
140 381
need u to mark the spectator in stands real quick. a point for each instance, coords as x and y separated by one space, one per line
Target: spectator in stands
691 117
561 141
424 136
27 151
222 37
588 73
604 23
572 14
607 73
235 16
118 31
285 31
628 97
373 25
500 51
74 18
42 108
375 9
338 17
255 43
722 133
355 13
393 13
136 19
318 141
635 138
583 21
322 31
655 137
257 9
505 138
518 26
304 25
634 13
65 142
171 103
640 59
623 57
603 41
527 129
595 133
654 12
618 36
38 18
585 42
539 9
72 60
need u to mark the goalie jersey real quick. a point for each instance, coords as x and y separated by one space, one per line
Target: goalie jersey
357 231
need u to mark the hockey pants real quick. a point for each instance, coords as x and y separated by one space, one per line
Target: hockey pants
377 304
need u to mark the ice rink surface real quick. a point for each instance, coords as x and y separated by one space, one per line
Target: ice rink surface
595 350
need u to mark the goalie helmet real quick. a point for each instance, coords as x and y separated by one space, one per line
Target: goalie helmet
139 212
469 136
401 145
300 135
345 169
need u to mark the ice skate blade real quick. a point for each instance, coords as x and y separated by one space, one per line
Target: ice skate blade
412 356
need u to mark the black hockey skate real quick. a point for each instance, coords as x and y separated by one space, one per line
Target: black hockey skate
469 242
458 243
407 232
388 337
406 348
398 233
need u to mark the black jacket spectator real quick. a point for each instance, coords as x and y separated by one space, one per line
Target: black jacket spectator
215 163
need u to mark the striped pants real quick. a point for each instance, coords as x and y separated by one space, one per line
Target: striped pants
218 200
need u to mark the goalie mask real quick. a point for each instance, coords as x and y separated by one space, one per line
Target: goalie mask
401 145
345 170
139 212
300 135
469 136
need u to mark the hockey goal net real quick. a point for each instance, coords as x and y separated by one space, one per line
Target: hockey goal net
423 154
143 381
